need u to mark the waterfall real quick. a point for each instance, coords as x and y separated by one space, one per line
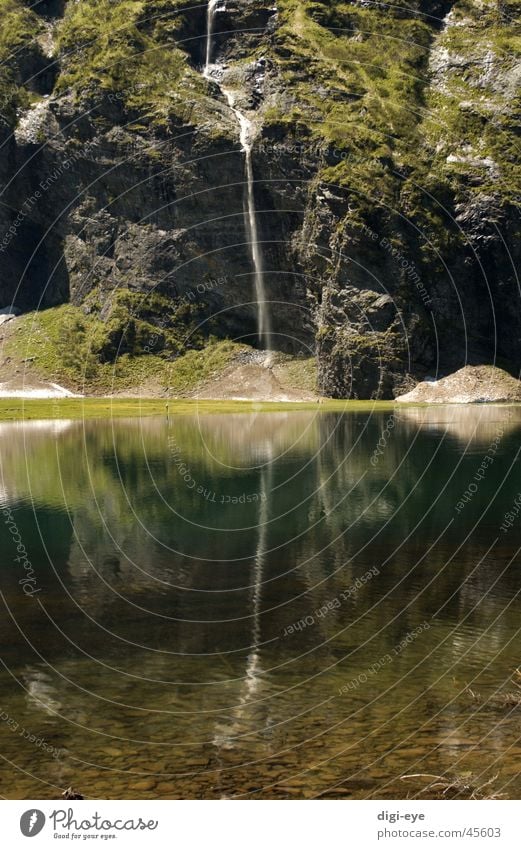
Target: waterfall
263 322
210 22
250 215
250 212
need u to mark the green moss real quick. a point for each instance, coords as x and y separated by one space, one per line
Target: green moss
196 367
358 80
300 373
140 342
471 116
129 49
18 29
351 53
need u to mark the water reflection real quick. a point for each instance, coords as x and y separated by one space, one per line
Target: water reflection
204 599
225 737
473 424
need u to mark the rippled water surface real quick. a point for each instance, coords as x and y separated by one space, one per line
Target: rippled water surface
268 606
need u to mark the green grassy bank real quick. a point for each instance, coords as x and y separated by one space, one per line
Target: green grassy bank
15 409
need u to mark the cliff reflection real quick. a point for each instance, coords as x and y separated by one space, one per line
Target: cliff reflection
213 581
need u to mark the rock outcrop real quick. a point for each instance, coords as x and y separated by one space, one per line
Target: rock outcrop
470 385
385 159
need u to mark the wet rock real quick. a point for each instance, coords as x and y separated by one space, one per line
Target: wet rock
143 784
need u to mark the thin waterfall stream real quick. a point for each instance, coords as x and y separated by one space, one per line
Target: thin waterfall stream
226 736
210 22
247 128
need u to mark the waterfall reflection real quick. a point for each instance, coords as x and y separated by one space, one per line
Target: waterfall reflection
225 735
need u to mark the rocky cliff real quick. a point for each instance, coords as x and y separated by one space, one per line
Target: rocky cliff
386 163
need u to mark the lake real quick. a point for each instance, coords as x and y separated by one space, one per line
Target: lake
271 605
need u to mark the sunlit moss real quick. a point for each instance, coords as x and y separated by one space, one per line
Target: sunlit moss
18 30
124 350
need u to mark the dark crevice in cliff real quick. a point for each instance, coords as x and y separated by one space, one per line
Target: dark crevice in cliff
42 279
39 73
435 11
48 8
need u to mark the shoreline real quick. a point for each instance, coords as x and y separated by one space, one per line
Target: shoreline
23 409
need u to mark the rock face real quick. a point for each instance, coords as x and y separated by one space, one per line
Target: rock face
470 385
387 174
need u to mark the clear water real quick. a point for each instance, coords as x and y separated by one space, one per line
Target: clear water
292 616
